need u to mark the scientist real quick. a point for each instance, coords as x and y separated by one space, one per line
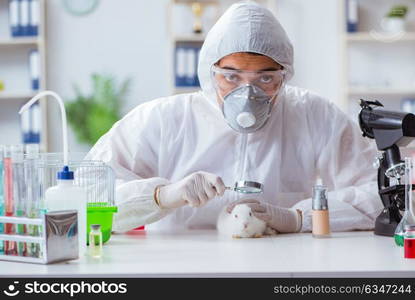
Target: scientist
174 156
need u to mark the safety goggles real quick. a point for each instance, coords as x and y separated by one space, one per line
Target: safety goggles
226 80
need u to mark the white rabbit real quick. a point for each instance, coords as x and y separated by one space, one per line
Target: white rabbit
241 223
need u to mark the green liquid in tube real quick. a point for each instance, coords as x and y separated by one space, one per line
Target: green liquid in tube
33 249
399 239
21 246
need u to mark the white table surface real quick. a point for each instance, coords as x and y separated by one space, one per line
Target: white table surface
205 254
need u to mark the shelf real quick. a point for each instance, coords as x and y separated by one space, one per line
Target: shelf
204 2
20 41
17 70
375 36
381 91
189 38
191 89
16 96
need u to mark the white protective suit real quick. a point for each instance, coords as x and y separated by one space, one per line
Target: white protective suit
164 140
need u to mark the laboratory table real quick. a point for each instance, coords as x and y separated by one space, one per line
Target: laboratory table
202 253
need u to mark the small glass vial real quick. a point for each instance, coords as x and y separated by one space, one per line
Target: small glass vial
95 241
320 212
409 241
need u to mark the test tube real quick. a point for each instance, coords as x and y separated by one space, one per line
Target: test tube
1 196
10 247
19 193
32 195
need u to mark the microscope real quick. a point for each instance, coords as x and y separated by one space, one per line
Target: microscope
391 130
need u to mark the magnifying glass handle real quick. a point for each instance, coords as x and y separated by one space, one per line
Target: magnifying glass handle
213 187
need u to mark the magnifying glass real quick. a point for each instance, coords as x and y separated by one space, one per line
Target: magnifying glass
247 187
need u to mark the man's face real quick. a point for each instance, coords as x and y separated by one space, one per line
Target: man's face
242 61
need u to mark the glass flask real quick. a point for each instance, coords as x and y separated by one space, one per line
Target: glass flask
408 217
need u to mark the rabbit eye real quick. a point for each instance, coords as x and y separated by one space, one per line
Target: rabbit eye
236 216
250 214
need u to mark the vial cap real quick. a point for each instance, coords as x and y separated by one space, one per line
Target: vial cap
65 174
319 199
96 226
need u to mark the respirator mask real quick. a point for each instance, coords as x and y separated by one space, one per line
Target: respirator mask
247 96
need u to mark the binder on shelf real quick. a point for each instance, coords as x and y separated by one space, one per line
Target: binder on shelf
186 63
24 17
352 15
34 69
180 67
31 125
25 126
14 18
197 83
190 67
33 17
36 124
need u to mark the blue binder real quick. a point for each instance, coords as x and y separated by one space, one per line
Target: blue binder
14 18
24 17
180 66
36 124
186 62
190 67
25 126
33 17
34 69
352 15
197 83
30 125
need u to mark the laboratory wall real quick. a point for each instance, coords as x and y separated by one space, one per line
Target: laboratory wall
129 39
313 27
124 38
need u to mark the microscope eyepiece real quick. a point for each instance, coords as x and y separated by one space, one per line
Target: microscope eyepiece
365 116
386 127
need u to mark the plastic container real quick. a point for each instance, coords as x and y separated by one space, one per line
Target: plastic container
102 216
96 178
66 195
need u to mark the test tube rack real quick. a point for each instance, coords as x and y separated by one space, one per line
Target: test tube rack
58 239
